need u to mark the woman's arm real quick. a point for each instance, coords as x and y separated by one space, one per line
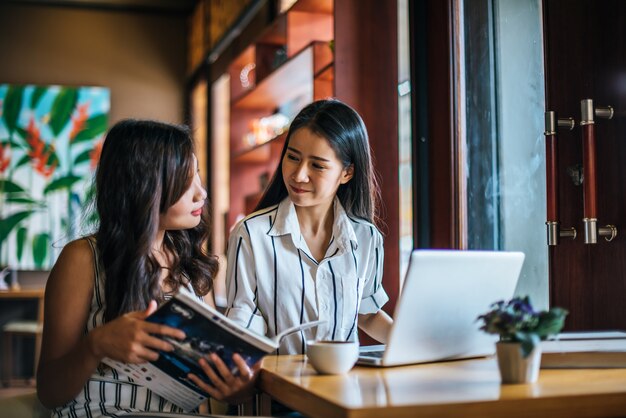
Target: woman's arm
376 325
66 360
68 357
241 282
372 319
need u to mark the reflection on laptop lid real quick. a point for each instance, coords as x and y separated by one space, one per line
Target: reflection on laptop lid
444 291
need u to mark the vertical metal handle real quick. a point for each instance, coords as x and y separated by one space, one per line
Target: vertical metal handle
590 215
554 231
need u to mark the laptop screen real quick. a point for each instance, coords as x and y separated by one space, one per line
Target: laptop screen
443 294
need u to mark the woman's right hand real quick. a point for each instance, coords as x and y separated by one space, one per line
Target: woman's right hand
130 338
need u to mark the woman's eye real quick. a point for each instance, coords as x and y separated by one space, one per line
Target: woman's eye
292 157
319 166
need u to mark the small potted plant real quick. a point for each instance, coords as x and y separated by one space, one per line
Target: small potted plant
520 329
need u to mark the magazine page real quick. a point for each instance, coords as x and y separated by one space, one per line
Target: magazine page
186 395
188 305
589 335
555 346
207 331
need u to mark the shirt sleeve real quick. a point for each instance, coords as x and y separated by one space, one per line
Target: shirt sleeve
374 295
241 282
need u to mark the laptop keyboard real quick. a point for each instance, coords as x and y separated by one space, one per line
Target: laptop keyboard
375 354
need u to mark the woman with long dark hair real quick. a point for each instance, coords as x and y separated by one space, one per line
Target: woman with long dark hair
149 243
312 249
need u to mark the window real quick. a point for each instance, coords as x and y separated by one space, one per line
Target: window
405 138
500 107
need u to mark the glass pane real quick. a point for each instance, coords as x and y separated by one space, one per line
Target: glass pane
505 161
405 143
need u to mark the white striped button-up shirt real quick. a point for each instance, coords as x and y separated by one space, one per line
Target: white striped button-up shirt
273 282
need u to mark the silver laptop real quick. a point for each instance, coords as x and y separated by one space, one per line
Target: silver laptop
444 291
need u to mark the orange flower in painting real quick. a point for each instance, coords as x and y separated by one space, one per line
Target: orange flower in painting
94 155
40 153
79 119
5 156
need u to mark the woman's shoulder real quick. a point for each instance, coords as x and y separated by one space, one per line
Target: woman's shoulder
80 248
74 265
260 220
365 230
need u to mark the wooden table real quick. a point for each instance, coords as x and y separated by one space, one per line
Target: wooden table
469 388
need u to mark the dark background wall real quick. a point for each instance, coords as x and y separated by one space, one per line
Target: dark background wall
140 57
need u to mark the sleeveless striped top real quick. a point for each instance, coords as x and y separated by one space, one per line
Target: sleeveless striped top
108 393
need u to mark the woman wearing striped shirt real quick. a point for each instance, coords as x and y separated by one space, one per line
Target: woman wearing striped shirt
311 250
149 243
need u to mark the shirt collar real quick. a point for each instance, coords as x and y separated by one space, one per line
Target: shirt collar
286 222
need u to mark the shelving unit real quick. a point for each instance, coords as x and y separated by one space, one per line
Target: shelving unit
361 70
288 67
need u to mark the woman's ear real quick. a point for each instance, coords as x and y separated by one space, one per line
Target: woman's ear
347 174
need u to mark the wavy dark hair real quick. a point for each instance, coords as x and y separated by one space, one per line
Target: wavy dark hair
345 131
144 168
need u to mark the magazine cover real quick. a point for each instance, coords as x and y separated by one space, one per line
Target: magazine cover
207 331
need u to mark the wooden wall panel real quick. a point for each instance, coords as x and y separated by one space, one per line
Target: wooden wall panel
366 78
585 57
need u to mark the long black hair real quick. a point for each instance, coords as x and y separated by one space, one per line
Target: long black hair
144 168
345 131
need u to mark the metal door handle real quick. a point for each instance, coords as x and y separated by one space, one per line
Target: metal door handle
554 230
590 217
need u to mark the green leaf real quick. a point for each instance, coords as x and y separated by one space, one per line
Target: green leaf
23 161
23 199
62 183
7 224
62 109
7 186
551 322
52 158
94 127
529 340
12 107
84 156
21 132
41 242
21 239
35 98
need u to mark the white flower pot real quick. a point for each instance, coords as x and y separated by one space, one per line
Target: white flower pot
514 367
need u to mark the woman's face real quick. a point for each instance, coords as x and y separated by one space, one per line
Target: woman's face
311 170
185 213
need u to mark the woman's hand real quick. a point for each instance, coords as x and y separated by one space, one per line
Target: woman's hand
128 338
226 386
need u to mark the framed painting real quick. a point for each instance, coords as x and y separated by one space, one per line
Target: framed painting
50 142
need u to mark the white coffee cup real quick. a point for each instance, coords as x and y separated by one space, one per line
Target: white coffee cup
332 357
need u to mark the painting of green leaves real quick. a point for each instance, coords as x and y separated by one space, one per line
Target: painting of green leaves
50 142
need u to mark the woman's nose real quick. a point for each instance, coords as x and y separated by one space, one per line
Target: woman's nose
201 193
301 175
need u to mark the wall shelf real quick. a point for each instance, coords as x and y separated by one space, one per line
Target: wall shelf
287 67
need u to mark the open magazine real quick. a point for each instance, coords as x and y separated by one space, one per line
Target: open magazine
207 331
596 349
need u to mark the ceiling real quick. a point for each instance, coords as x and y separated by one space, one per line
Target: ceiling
160 6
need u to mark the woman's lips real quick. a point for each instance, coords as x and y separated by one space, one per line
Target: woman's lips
297 190
197 212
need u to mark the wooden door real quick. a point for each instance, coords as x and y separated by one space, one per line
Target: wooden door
585 51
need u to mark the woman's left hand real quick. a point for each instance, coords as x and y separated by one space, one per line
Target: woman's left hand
226 386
